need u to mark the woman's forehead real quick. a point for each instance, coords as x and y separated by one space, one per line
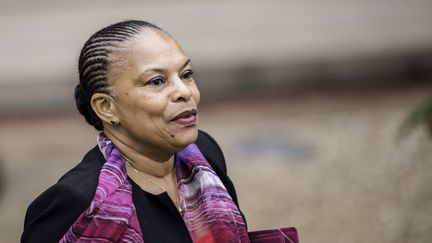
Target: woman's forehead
151 49
152 45
152 42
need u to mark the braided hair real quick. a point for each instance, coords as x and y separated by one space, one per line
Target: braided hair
93 64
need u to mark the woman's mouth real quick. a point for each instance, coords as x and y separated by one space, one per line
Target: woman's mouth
186 118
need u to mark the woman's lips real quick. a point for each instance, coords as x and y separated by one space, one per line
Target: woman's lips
186 118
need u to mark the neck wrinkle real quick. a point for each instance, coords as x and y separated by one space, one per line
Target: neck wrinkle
142 162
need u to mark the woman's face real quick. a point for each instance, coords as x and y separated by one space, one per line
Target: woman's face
155 95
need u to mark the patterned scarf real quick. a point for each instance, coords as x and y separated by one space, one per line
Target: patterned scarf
209 212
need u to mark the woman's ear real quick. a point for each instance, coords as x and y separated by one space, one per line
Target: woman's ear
104 107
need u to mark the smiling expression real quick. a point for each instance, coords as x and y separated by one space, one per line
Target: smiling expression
154 93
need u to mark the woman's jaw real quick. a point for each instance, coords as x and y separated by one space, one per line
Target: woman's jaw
166 141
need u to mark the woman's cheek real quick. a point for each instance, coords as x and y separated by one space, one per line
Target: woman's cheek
156 106
196 95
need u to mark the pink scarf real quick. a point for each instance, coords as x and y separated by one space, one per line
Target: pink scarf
209 211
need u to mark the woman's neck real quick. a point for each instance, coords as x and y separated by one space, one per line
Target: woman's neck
152 163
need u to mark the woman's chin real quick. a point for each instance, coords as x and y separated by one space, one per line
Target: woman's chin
183 138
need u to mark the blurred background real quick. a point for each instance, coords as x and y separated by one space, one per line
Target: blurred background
319 106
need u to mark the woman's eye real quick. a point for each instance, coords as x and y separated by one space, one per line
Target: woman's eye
187 74
155 82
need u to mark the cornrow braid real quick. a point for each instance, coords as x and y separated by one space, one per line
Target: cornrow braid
93 64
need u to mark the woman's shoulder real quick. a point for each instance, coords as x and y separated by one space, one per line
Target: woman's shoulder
80 182
213 153
211 150
86 173
50 215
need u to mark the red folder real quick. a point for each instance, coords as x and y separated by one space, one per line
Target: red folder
282 235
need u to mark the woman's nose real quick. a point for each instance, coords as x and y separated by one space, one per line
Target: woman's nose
182 91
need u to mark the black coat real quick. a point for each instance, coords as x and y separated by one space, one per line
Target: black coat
51 214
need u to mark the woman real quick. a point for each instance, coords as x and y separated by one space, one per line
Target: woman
154 177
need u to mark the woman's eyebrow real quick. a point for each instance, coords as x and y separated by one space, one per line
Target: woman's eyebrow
186 63
155 69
